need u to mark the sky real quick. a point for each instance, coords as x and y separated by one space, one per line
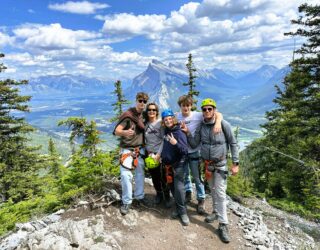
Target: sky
117 39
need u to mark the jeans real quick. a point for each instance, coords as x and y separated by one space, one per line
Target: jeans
218 187
193 165
126 180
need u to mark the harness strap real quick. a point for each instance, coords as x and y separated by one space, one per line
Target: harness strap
135 156
208 173
169 174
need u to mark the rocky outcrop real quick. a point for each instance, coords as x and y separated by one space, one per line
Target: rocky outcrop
259 236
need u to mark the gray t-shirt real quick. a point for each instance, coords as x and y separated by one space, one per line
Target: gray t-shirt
153 134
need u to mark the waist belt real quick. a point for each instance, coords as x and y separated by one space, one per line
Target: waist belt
212 144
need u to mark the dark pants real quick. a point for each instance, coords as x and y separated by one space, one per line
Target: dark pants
179 190
157 180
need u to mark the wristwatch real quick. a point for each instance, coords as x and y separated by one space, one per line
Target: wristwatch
236 163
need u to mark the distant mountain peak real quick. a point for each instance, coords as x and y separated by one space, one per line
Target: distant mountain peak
157 62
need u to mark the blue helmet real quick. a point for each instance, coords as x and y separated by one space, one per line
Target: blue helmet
166 112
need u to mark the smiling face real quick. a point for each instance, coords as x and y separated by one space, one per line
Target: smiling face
152 112
141 104
208 112
168 121
185 109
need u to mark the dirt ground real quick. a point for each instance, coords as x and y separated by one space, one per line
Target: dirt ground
152 227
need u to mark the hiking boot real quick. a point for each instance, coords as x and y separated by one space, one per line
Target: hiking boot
174 214
224 233
158 198
188 197
185 219
211 217
142 202
124 209
200 207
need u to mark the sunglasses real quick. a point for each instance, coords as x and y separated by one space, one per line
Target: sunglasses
142 101
154 110
207 109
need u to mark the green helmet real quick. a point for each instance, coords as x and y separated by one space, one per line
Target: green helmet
151 163
208 102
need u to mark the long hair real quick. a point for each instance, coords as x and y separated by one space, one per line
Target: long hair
145 113
175 122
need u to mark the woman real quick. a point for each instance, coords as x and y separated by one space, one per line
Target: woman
173 157
154 133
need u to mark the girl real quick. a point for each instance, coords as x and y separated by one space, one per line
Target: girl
173 157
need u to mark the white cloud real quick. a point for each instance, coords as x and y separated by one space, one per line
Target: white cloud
51 37
5 39
129 24
85 66
83 7
228 8
208 23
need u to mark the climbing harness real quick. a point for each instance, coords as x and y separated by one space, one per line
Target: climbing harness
130 159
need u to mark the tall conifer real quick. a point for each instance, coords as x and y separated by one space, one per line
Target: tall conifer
191 82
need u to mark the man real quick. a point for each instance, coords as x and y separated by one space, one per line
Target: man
130 128
214 149
193 120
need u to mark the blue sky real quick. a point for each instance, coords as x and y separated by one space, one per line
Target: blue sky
117 39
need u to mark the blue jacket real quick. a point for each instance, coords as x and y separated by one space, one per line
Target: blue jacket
172 154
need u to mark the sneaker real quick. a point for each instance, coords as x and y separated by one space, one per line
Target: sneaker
200 207
185 219
124 209
188 197
224 233
174 214
211 218
158 198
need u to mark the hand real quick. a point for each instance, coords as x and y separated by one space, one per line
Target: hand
129 132
217 128
172 140
157 157
234 169
184 127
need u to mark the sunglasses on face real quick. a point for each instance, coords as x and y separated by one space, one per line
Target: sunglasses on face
142 101
207 109
154 110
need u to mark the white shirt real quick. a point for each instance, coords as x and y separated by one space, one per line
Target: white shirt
192 121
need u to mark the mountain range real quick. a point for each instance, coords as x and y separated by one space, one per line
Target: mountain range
252 91
242 97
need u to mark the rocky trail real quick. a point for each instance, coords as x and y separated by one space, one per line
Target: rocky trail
257 227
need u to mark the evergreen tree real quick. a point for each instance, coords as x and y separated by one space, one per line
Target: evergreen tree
52 148
87 132
54 160
286 162
191 82
18 162
118 105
